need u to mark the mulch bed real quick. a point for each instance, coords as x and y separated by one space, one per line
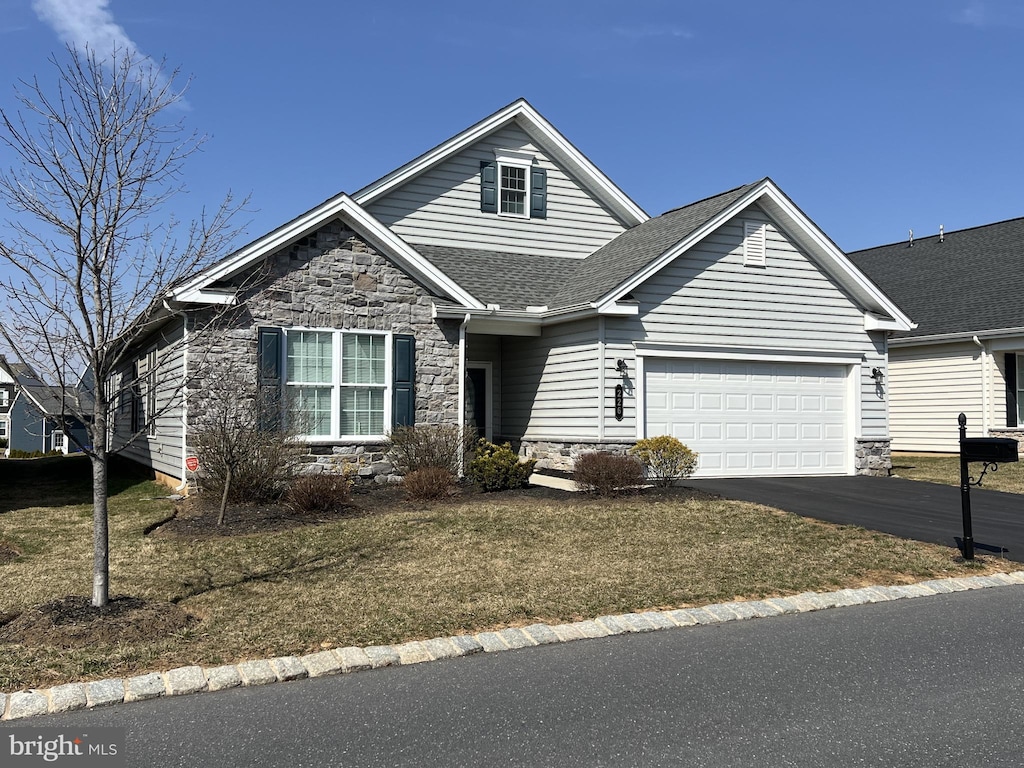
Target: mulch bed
7 552
73 622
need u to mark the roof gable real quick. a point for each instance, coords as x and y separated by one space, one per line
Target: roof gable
963 283
341 207
559 149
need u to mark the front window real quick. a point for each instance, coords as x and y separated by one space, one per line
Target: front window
338 382
513 190
1020 388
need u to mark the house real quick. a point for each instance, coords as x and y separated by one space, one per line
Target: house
967 353
31 413
502 280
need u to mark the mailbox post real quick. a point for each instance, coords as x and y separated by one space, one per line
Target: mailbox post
992 451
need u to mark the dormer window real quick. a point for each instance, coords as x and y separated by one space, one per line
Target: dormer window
513 185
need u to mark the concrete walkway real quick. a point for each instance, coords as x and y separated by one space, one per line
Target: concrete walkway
907 508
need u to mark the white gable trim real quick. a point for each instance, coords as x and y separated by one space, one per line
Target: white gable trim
344 207
778 205
551 141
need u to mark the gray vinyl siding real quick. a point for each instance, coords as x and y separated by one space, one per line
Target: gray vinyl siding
29 431
442 207
874 397
164 450
549 384
708 297
929 386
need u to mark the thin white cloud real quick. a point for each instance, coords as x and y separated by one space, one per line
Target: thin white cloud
90 24
647 31
83 23
988 14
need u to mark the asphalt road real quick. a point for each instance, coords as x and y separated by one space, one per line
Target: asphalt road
934 681
908 508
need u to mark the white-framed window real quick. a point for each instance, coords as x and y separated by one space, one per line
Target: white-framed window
512 192
151 384
1020 388
3 428
5 397
513 184
59 442
338 382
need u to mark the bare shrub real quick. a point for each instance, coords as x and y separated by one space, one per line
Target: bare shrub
240 458
430 445
318 494
607 474
429 483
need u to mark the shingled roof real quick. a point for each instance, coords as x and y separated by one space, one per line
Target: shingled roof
970 281
511 280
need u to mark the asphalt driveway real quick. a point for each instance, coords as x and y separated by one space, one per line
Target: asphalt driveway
907 508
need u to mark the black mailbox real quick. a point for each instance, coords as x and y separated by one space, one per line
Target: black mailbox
993 450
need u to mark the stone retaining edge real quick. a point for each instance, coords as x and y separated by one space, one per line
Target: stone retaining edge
195 679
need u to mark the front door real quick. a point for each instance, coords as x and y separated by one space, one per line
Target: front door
478 399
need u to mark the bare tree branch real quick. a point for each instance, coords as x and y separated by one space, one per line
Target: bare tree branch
92 248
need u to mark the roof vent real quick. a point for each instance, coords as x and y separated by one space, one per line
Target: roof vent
911 243
942 234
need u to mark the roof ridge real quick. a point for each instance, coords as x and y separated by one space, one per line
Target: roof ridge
945 233
712 197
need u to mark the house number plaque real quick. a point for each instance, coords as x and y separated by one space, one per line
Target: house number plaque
618 402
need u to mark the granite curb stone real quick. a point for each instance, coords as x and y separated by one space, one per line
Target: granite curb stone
219 678
69 697
103 693
185 680
193 679
144 687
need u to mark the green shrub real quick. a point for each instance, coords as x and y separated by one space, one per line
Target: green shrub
430 445
498 468
607 474
318 494
428 483
665 458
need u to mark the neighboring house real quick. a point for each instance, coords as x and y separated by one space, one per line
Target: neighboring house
967 353
30 413
501 280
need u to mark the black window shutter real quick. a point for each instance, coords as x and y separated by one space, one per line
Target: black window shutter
1010 364
403 400
488 186
538 193
271 379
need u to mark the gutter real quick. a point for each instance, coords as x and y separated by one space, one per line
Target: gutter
941 338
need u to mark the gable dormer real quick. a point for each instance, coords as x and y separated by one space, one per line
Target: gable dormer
510 183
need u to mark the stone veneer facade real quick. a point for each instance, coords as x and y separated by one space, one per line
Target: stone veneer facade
872 457
1016 434
332 279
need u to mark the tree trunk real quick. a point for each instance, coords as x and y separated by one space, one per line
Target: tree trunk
100 518
224 496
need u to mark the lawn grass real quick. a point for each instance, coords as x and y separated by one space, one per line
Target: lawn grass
1009 478
417 571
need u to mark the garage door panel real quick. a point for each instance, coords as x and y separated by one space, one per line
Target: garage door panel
752 418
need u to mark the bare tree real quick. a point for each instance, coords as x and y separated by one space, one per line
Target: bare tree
97 159
247 448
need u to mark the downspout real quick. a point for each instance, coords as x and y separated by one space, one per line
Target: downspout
984 386
462 381
184 394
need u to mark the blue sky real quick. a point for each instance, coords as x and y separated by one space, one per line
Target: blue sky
875 116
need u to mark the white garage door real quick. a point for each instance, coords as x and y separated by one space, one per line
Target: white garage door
751 418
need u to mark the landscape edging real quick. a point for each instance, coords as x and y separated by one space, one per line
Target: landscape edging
195 679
